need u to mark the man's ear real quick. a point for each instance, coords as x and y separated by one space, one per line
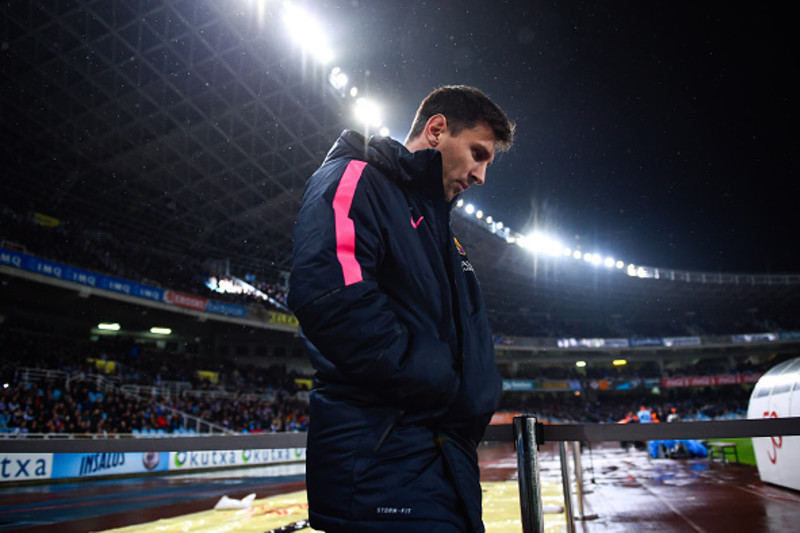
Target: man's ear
434 128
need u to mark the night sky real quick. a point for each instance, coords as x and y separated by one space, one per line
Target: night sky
657 132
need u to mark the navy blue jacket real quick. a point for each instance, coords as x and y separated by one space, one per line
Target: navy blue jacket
397 331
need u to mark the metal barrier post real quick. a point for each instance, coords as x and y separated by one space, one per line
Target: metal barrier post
576 453
530 490
562 453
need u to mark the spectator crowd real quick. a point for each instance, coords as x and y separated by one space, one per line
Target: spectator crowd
249 398
50 385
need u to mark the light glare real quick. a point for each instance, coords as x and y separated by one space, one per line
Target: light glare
539 243
368 113
306 32
338 79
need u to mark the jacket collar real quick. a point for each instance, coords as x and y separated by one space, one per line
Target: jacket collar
420 170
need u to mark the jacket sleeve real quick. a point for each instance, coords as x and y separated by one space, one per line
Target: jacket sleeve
336 294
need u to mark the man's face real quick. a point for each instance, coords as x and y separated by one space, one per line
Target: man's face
465 158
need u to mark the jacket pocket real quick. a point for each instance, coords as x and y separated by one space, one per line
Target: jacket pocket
401 476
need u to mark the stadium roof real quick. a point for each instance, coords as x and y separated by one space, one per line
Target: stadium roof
191 126
558 291
185 126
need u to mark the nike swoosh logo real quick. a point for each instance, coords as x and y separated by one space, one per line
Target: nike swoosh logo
416 224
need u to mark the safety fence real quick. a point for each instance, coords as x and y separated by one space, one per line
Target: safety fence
526 432
529 434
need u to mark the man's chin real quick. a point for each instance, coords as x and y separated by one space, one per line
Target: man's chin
453 195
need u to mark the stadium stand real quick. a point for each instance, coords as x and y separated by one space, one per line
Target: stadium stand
106 387
161 170
162 147
594 329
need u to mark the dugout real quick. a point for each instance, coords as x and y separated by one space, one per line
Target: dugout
777 395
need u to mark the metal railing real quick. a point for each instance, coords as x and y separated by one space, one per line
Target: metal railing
529 434
526 432
104 383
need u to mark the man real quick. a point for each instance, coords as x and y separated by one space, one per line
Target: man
396 327
644 414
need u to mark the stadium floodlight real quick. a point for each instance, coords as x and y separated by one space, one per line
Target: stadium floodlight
384 131
538 242
353 92
489 219
368 113
261 11
620 264
160 331
338 79
306 32
479 214
609 262
577 254
499 225
460 202
469 209
580 364
108 326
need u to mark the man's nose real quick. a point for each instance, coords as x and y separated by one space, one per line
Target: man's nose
479 175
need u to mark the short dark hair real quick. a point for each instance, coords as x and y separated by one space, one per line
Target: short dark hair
463 107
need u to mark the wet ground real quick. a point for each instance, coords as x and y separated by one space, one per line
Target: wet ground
629 491
624 491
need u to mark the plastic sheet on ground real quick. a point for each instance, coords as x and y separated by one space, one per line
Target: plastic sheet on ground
677 449
264 515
